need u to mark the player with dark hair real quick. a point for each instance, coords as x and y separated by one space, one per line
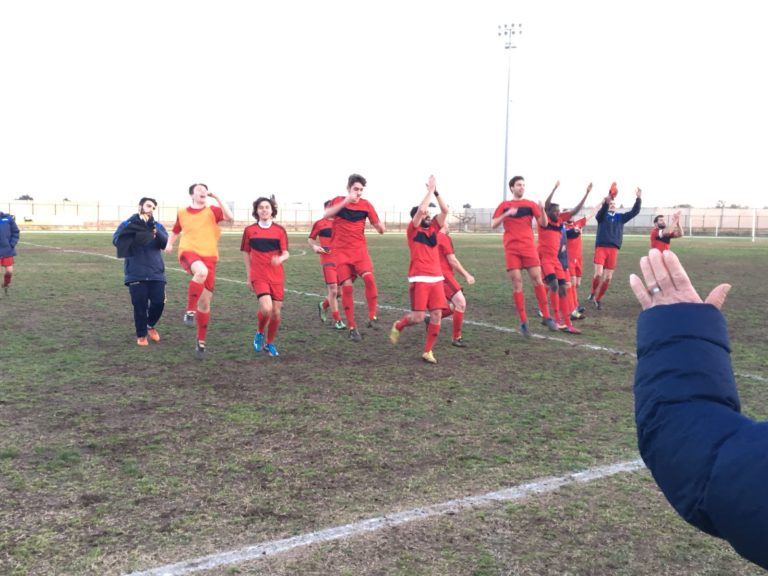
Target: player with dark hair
350 250
141 240
425 278
553 252
661 236
454 294
320 242
9 237
610 234
265 248
198 226
520 252
573 230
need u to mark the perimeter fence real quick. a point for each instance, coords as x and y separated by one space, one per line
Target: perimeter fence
31 215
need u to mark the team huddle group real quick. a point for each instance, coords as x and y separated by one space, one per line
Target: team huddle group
554 263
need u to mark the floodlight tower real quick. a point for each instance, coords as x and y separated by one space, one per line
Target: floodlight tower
509 33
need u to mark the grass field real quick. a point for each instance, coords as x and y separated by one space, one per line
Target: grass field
115 458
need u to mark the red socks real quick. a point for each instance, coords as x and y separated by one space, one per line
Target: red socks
603 289
274 324
432 331
7 279
541 298
458 320
519 298
348 303
371 294
202 319
194 291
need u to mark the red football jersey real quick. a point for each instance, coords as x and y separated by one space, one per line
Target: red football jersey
349 223
425 257
518 229
660 242
262 244
445 248
323 230
574 243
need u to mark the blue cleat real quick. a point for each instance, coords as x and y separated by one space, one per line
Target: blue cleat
271 350
258 342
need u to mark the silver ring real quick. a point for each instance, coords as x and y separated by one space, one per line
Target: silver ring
654 290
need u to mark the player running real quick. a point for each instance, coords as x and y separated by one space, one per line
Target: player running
265 248
199 227
425 279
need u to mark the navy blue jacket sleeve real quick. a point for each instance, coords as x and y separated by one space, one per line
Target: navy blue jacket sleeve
14 233
710 461
161 236
600 216
627 216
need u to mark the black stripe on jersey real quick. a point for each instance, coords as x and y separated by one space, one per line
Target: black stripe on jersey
264 244
665 239
424 238
522 211
326 232
353 215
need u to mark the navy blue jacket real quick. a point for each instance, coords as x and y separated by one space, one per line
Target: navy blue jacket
710 461
143 257
610 225
9 235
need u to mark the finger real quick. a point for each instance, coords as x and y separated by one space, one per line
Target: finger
648 275
677 274
658 264
717 296
641 293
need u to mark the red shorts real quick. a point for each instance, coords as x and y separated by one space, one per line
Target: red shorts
450 286
427 296
606 256
6 261
518 262
186 259
352 263
266 288
576 267
330 274
553 266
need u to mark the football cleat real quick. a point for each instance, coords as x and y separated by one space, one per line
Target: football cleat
322 312
572 330
189 318
200 350
459 343
354 335
153 334
258 342
524 330
394 334
549 323
373 323
142 341
429 357
340 325
271 350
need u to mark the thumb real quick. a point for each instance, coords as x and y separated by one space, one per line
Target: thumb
717 296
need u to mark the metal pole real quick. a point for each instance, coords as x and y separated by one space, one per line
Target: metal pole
508 32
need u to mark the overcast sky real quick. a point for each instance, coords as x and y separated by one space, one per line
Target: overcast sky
113 100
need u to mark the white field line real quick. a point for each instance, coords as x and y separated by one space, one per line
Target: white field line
275 547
